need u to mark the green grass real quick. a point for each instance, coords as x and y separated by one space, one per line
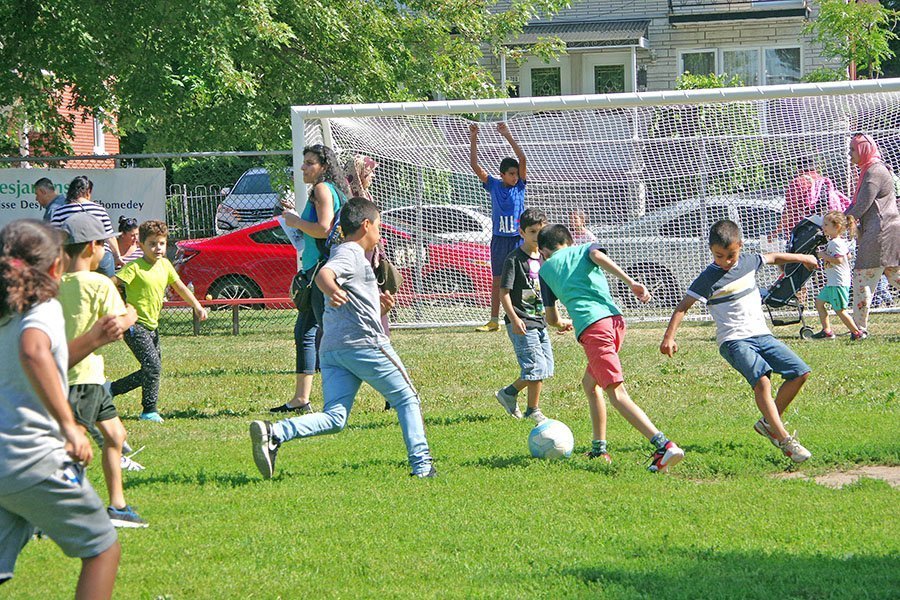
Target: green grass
343 519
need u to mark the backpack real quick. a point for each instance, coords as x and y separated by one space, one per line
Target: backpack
827 198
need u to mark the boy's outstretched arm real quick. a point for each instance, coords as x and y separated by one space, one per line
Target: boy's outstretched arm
473 154
327 282
782 258
188 296
602 260
668 345
554 320
520 154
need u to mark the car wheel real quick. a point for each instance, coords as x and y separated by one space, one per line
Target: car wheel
662 285
447 288
235 287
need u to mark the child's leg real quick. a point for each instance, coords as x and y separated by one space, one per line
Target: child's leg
382 369
847 320
623 403
339 388
495 298
822 309
534 393
144 344
98 574
762 393
784 361
113 438
788 391
596 404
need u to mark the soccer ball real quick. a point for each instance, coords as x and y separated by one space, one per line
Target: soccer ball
551 439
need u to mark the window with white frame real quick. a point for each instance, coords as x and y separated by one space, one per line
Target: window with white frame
99 137
754 66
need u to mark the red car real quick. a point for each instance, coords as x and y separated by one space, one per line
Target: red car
259 262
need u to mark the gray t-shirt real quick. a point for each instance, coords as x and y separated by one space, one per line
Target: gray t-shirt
839 274
28 434
733 299
357 323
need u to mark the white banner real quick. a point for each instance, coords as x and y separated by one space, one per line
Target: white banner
137 193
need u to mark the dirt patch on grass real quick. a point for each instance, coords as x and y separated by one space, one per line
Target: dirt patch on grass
838 479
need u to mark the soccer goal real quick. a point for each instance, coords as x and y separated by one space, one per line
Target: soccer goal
646 174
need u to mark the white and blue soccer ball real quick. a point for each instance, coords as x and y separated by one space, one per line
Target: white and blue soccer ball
551 439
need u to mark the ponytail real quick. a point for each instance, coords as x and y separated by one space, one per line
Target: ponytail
845 223
27 250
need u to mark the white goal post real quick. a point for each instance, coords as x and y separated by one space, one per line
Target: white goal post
647 172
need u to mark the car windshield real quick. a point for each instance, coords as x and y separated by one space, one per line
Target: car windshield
256 183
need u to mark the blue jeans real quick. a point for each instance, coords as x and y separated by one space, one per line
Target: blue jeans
308 335
533 352
343 371
107 264
760 355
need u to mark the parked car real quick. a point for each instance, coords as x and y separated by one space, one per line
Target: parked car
251 200
447 222
664 249
259 262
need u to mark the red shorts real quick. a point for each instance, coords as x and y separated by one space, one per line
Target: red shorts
601 342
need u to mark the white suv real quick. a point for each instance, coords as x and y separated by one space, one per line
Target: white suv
250 201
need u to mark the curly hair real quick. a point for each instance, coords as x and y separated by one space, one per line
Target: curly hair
844 223
334 174
149 228
27 250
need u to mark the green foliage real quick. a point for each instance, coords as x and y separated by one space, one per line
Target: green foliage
824 74
223 73
689 81
342 519
855 32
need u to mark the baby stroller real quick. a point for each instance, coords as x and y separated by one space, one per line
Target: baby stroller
805 238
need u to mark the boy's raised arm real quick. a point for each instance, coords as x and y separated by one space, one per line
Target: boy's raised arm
473 154
782 258
327 282
503 129
668 345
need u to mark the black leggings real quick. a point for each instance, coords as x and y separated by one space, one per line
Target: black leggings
144 344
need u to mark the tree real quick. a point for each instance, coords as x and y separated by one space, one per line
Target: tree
857 33
223 73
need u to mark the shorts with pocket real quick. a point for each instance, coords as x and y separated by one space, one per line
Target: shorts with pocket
760 355
601 342
91 403
533 353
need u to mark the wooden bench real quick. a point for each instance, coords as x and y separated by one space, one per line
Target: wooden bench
234 303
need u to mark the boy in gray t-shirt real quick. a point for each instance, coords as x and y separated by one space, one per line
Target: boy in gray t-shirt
354 349
728 288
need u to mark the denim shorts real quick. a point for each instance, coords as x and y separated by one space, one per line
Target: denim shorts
761 355
533 352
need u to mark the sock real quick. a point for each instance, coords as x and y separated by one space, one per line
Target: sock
530 411
659 440
126 448
495 319
598 446
511 390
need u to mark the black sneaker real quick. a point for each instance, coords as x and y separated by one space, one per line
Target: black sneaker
125 517
432 472
265 447
303 409
604 456
824 335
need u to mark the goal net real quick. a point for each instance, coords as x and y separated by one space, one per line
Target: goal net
643 174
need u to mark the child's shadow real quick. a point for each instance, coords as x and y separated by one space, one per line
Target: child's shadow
200 478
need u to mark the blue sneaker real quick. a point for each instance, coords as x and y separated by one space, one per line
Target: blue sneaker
151 416
125 517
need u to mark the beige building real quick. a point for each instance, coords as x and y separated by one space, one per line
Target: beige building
644 45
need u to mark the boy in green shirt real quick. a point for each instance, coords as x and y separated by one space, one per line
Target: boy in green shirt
145 281
86 297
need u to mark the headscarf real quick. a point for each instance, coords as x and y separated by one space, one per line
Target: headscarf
869 154
357 168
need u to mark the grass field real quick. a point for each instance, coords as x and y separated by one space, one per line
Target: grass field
343 519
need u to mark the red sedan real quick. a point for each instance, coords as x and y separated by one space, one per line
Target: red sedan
259 262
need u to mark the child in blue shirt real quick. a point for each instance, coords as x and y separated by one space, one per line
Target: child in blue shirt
507 203
728 288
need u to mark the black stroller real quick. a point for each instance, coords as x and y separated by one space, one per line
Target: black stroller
805 238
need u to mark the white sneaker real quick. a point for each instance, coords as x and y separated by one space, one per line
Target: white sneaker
762 428
508 403
535 415
131 465
791 448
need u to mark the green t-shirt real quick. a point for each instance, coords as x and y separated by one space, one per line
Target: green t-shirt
580 285
85 297
145 287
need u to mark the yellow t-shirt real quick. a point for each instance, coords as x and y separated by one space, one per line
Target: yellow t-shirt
145 288
85 297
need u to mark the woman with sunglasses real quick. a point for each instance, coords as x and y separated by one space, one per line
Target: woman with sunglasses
127 240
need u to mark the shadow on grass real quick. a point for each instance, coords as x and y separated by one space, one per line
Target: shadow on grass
219 371
576 462
200 478
193 413
459 419
687 573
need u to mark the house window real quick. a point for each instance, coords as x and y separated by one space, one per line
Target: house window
782 65
743 63
609 79
754 66
99 137
546 81
702 62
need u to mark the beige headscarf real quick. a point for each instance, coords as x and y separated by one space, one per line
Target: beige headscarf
357 168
